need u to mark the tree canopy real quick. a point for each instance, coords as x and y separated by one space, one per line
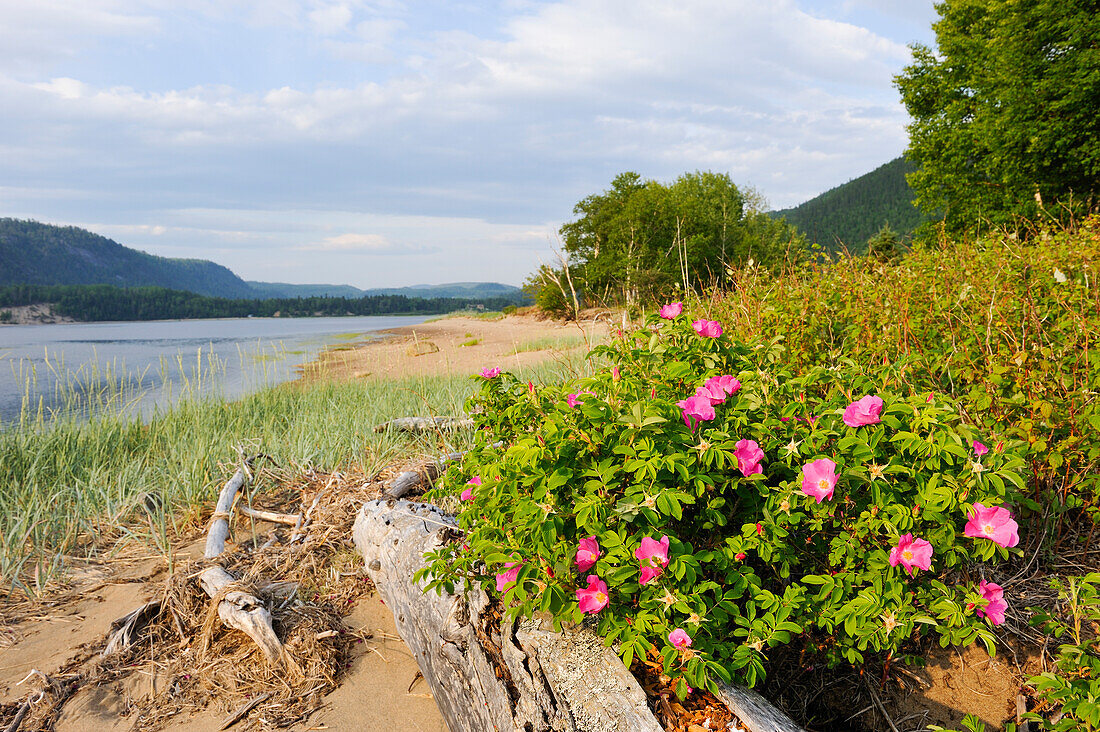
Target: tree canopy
640 238
1004 111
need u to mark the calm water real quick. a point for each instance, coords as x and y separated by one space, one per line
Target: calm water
144 366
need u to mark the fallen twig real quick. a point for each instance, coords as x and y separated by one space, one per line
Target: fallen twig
238 715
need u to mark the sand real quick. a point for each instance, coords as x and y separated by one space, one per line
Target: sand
457 345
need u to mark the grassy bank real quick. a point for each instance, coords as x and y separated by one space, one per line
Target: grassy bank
70 485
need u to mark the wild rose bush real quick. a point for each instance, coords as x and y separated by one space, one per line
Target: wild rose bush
700 498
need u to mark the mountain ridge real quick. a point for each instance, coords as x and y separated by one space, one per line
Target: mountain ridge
846 216
35 253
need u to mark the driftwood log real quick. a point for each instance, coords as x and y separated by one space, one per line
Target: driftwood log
426 424
501 675
412 479
236 608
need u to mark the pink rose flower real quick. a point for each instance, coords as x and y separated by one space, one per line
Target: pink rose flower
863 412
707 328
672 310
748 455
712 393
979 448
819 479
508 576
491 373
587 553
468 494
615 375
994 523
995 610
679 638
728 384
653 555
572 400
593 598
911 553
739 556
696 409
717 388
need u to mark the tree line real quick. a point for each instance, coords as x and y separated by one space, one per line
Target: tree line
642 238
107 302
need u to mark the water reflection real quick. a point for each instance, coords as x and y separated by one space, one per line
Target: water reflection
146 366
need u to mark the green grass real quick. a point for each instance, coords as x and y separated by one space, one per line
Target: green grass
69 483
547 343
475 314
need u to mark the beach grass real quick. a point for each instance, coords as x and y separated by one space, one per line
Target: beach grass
549 343
70 482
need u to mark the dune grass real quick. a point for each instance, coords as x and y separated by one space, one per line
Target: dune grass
68 484
547 343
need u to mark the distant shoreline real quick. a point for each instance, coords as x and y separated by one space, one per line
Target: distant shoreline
43 314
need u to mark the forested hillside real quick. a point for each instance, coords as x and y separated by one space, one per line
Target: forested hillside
41 254
850 214
105 302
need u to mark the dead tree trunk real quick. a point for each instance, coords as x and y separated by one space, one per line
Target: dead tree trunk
502 675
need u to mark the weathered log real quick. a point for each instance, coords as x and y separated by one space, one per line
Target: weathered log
443 633
529 677
755 712
413 479
425 424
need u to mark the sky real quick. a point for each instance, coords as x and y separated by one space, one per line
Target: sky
387 143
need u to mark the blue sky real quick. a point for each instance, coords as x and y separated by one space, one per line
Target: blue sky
387 143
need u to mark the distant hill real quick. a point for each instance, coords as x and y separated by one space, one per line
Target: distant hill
285 289
852 213
471 290
40 254
32 253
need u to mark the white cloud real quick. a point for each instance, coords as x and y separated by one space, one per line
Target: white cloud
330 19
350 243
432 139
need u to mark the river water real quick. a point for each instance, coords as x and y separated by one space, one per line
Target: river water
145 366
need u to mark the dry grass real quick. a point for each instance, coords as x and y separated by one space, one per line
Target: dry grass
309 585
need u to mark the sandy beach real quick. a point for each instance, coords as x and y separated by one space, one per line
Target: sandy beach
457 345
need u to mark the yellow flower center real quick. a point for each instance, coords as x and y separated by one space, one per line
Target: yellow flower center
823 485
601 598
988 529
907 555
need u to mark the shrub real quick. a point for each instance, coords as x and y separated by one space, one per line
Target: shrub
702 498
1008 329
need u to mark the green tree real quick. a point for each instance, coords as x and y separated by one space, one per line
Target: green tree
1004 111
639 240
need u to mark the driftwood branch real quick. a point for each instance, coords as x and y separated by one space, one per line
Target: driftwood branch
219 522
236 608
245 708
242 610
527 676
426 424
412 479
290 519
128 626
